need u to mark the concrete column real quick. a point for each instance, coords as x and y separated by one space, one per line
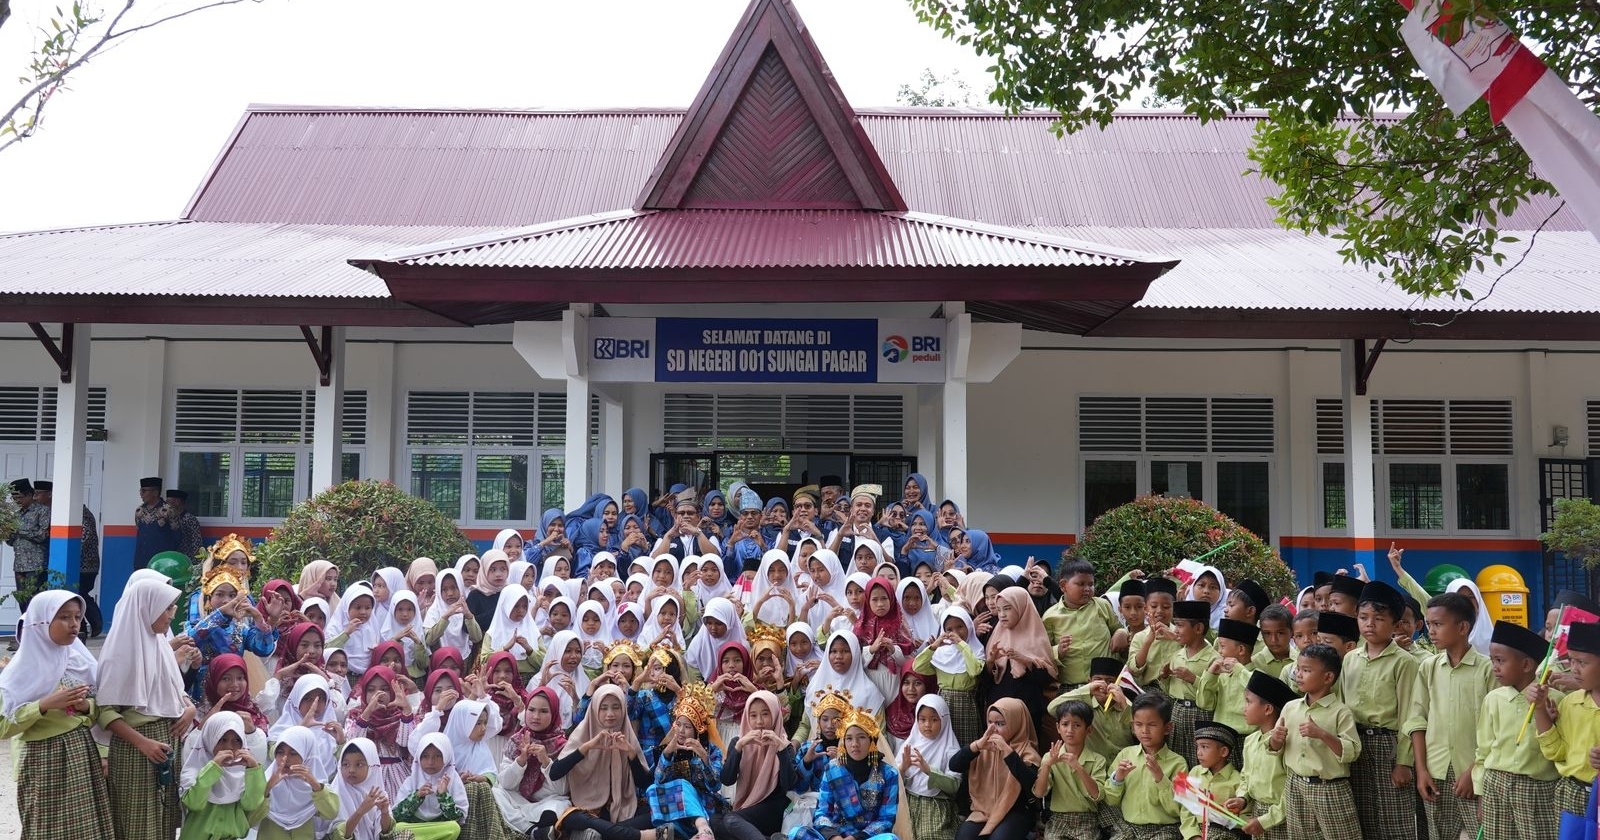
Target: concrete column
385 412
612 435
953 409
577 466
1359 492
66 510
930 398
327 433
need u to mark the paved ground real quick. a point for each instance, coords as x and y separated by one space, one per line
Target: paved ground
10 822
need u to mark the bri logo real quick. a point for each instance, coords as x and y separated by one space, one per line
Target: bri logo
621 348
918 348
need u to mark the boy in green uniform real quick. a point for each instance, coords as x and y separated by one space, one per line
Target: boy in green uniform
1316 735
1376 681
1214 771
1181 673
1264 777
1221 687
1148 651
1113 722
1405 630
1080 625
1245 602
1338 631
1345 596
1141 781
1305 635
1130 605
1442 721
1274 652
1072 776
1516 784
1570 730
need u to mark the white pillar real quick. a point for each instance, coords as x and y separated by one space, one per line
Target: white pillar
953 467
66 509
327 431
385 418
1359 493
929 400
611 442
577 461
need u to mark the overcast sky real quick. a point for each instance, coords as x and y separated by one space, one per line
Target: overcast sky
142 124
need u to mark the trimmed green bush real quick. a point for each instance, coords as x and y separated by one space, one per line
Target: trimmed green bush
1576 531
359 526
1153 533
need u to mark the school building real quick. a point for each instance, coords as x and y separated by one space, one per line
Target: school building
503 310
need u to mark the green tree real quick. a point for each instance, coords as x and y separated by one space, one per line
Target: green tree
72 37
932 90
1419 197
1576 531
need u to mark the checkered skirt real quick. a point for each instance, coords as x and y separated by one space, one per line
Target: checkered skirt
1083 826
1185 717
1518 807
1386 810
61 792
141 808
965 716
1325 811
1277 832
483 814
1451 815
1572 796
932 817
1150 832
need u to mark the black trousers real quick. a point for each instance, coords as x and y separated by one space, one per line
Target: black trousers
1016 826
628 829
758 822
92 617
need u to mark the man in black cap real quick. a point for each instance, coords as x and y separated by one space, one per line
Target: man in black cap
1515 783
152 523
1376 684
185 523
29 545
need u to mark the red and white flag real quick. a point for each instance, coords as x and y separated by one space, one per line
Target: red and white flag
1479 57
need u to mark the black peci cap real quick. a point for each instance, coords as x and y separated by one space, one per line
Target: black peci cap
1253 592
1584 637
1105 666
1520 638
180 495
1156 586
1130 588
41 485
1242 632
1568 598
1347 585
1337 624
1321 579
1192 610
151 483
1378 592
1271 689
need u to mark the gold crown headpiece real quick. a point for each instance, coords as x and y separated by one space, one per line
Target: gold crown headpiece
697 704
625 648
830 698
863 718
229 544
662 653
764 632
220 575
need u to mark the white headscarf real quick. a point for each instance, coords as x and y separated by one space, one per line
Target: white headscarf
608 604
290 805
836 582
518 571
506 534
860 579
502 629
572 613
320 603
1482 624
455 633
461 568
637 611
716 590
360 642
448 780
948 658
1221 605
863 693
775 610
352 795
794 662
936 751
923 625
137 667
600 635
653 631
702 652
643 580
289 717
672 563
41 666
552 669
341 613
392 627
395 581
470 756
230 787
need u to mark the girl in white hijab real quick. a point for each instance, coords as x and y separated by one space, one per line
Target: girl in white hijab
851 677
433 772
522 572
360 631
449 623
594 643
659 626
505 629
408 633
923 625
475 765
231 776
296 793
393 581
703 648
54 673
711 582
564 673
775 576
1482 625
364 808
636 612
311 707
936 751
138 673
827 587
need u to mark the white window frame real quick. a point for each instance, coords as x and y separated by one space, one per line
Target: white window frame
1144 475
1447 470
469 479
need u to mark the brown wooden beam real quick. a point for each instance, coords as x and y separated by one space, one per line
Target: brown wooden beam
61 353
321 352
1365 362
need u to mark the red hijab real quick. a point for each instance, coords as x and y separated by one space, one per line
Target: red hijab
508 707
380 650
551 738
383 726
869 626
432 682
289 642
245 706
902 713
734 698
443 655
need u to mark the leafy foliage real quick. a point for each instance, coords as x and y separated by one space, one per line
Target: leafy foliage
359 526
1153 533
1417 196
1576 531
10 518
935 91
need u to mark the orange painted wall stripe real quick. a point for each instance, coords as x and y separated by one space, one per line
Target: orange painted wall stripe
66 532
1420 543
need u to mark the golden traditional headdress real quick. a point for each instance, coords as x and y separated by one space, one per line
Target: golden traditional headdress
231 543
829 698
764 632
697 704
863 718
220 575
625 648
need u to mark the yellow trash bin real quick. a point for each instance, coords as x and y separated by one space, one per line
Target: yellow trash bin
1505 594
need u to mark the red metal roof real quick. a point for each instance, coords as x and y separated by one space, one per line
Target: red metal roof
512 168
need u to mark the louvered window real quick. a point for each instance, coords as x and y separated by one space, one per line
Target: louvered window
1177 424
28 413
473 454
784 422
1594 428
1424 427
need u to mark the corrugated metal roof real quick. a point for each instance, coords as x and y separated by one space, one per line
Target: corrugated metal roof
511 168
202 259
689 239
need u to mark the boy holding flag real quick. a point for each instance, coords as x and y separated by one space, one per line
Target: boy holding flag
1515 782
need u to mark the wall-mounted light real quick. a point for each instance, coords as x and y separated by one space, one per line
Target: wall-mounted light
1559 436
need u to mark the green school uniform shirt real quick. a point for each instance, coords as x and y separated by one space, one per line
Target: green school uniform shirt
1266 663
1067 794
1499 721
923 664
1197 663
204 820
1160 652
1090 627
1143 800
1378 691
1113 727
1576 730
1264 778
326 803
30 724
1287 675
1445 700
1411 587
1310 756
1223 784
1223 694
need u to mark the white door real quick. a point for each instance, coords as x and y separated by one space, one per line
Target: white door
17 460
